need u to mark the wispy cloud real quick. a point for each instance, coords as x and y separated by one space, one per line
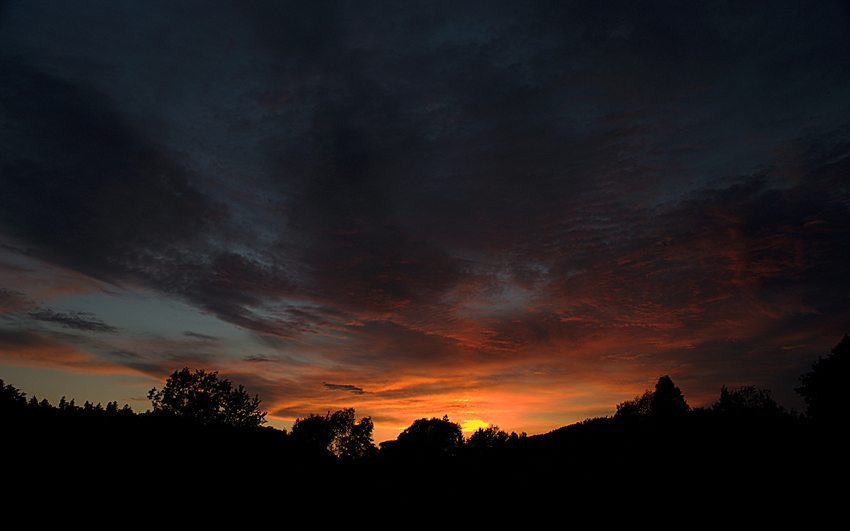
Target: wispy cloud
434 201
202 337
77 320
344 387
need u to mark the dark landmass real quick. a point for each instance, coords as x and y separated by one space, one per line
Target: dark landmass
745 451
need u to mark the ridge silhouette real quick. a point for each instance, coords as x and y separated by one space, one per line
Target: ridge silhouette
655 441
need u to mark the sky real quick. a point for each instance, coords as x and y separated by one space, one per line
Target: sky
510 213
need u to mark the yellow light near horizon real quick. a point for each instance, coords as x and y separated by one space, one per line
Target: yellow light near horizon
472 425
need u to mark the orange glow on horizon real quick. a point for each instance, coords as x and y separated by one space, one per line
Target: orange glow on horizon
469 426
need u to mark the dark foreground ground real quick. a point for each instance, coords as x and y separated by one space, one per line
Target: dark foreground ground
781 470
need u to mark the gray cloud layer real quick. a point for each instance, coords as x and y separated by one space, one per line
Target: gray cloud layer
428 177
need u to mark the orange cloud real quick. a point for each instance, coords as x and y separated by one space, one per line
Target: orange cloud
33 349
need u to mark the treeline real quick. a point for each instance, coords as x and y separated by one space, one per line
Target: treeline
201 408
199 420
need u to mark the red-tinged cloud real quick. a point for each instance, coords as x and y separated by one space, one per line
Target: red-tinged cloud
34 349
548 204
11 300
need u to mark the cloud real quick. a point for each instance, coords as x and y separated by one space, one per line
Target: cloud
502 179
545 190
341 387
258 359
11 300
31 348
202 337
77 320
87 192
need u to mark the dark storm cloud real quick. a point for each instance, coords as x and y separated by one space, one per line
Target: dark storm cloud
77 320
521 141
115 205
84 190
387 346
81 185
432 185
780 249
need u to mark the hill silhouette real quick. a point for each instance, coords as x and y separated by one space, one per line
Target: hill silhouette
655 448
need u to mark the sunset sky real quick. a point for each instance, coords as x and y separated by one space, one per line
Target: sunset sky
518 213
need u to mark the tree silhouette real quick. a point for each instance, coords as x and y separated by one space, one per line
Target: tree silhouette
746 401
487 437
665 402
337 433
484 440
824 387
242 410
204 398
431 438
11 396
636 408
